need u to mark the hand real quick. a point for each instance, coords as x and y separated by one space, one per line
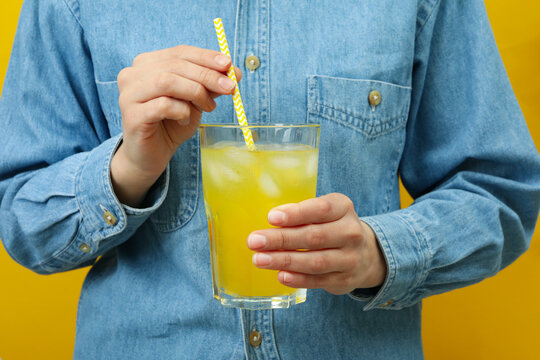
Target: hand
339 252
162 97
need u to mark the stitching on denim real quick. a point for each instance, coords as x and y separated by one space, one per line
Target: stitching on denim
363 81
428 17
74 11
99 82
45 264
391 266
389 124
427 253
177 220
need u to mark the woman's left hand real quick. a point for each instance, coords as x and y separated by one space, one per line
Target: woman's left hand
320 243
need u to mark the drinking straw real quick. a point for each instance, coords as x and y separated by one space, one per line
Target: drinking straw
238 105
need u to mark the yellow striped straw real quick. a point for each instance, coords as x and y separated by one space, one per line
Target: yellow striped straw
238 106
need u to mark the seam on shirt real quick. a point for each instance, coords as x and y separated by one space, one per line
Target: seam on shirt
74 9
99 82
429 14
427 255
361 81
55 256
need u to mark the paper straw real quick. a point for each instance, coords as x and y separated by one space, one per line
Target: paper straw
238 106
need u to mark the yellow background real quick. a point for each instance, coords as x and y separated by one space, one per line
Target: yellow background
496 319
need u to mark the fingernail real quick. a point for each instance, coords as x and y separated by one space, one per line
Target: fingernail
261 259
256 241
222 60
276 217
226 83
286 277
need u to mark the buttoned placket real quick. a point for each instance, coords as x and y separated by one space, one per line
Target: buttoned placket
258 331
251 53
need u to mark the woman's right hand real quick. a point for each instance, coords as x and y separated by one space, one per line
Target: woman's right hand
162 97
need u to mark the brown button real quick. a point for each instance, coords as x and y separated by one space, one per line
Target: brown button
109 218
252 62
375 98
85 248
389 302
255 338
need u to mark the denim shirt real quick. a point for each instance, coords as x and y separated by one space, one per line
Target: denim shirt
447 123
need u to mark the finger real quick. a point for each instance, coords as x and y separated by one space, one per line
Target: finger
162 108
204 57
305 262
335 283
335 234
213 80
171 85
312 211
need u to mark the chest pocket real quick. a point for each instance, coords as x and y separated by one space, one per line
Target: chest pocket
181 201
362 137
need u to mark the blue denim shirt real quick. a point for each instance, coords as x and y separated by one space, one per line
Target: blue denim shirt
448 124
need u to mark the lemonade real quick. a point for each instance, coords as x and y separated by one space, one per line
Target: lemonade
240 187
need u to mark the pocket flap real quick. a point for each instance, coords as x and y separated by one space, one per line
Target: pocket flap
347 101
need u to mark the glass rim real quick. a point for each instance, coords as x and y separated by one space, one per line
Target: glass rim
259 126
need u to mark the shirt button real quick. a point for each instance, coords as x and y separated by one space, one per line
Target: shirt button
109 218
255 338
85 248
252 62
389 302
375 98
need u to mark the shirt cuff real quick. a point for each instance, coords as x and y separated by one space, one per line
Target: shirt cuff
103 216
407 257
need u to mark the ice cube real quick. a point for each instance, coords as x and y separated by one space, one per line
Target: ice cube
285 162
220 174
268 186
311 165
239 156
229 174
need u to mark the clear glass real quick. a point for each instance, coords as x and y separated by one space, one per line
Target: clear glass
240 187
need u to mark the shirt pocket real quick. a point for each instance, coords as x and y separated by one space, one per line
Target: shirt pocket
361 140
181 202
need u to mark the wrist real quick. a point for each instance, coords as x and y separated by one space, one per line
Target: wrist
130 184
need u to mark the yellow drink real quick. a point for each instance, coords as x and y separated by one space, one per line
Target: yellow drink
240 187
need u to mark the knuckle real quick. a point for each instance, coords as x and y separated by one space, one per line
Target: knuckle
315 237
345 200
318 264
199 91
324 206
206 75
180 50
163 107
123 76
184 112
164 82
287 260
139 59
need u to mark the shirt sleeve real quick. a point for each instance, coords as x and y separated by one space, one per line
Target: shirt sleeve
58 210
469 162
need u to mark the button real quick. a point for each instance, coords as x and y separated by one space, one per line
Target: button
389 302
252 62
375 98
255 338
109 218
85 248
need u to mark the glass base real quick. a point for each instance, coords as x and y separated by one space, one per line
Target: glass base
262 303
